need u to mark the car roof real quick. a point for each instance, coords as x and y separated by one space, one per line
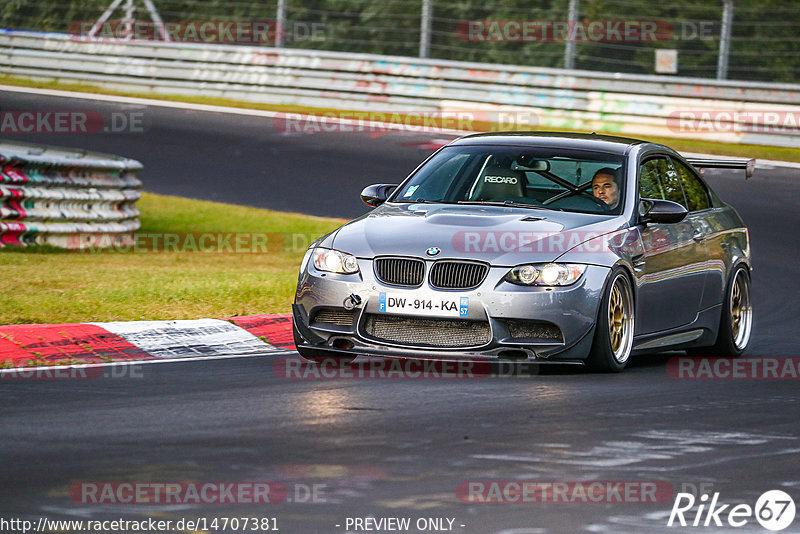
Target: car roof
592 141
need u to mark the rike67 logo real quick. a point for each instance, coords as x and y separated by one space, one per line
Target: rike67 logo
774 510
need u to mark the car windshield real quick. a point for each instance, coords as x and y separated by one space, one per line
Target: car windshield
542 178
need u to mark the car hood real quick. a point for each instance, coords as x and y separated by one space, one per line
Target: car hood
499 235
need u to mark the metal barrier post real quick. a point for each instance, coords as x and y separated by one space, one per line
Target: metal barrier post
569 49
425 28
725 39
280 24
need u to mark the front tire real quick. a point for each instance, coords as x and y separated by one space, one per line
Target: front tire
613 335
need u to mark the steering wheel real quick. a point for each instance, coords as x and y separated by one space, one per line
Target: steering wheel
594 199
597 201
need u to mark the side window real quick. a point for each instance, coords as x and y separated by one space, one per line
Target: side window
649 184
696 193
657 179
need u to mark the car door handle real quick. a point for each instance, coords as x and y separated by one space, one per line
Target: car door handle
698 235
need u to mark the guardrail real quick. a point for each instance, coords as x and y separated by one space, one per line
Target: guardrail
66 198
625 104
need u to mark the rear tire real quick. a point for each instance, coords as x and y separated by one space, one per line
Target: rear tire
613 334
736 320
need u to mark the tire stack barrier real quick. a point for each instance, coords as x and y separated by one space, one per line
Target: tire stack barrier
625 104
66 198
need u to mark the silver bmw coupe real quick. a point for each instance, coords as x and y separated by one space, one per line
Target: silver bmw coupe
535 247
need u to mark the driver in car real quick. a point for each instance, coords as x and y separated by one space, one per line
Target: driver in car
604 186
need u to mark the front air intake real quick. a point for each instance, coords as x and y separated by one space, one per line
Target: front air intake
427 332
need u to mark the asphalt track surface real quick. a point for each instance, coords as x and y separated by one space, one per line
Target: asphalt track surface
398 447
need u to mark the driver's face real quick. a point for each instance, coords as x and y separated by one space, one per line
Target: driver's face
604 188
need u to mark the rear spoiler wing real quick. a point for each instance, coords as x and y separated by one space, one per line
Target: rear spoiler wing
749 165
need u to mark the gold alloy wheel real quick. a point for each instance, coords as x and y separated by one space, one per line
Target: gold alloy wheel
620 319
741 311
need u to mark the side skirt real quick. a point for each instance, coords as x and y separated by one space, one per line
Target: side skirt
700 332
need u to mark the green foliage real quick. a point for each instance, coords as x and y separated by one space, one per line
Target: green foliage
764 44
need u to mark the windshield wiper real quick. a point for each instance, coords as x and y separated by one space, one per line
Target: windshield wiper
506 203
420 201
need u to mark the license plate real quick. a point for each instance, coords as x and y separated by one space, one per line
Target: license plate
435 306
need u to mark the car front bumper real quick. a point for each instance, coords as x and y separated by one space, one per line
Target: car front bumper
504 321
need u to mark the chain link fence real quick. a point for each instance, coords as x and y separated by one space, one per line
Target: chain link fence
679 37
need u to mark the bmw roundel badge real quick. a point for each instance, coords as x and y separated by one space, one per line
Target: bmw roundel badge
433 251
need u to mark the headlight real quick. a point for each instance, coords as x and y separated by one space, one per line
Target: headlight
333 261
551 274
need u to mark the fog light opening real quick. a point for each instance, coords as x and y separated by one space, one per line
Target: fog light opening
342 343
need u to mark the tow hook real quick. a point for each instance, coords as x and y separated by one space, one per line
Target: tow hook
351 302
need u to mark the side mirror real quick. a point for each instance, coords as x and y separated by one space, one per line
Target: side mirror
661 211
376 194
